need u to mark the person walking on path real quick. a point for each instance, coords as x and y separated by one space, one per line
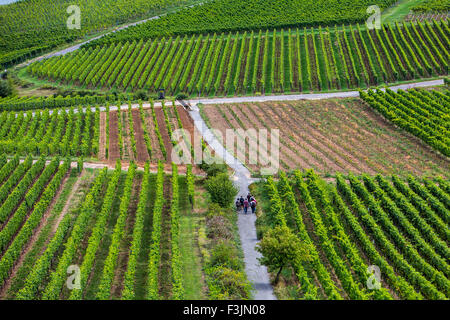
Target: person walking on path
253 205
238 204
246 206
242 201
249 197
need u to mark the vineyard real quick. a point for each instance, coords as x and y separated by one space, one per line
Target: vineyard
290 60
127 147
32 102
51 133
235 15
337 135
424 114
130 134
137 223
433 5
143 134
35 26
399 226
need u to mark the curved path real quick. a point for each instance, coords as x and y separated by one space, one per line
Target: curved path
256 273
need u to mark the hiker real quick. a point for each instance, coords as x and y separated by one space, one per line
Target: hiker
253 205
249 196
238 204
242 201
245 206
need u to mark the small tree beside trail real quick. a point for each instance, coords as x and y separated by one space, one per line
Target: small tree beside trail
281 248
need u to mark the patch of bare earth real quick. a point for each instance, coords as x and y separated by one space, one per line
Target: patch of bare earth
246 116
102 137
287 143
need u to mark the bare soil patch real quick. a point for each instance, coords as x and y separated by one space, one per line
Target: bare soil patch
141 148
114 152
102 137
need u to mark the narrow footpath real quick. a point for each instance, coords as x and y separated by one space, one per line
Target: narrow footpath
256 273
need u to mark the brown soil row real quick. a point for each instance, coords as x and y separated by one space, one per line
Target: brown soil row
141 148
249 119
114 151
301 152
337 136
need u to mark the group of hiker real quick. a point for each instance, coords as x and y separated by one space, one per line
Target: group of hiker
245 203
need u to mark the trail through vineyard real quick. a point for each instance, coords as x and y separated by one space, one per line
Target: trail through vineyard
256 273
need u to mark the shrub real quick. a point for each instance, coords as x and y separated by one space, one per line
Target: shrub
141 95
219 228
215 168
5 88
221 189
181 96
225 254
227 283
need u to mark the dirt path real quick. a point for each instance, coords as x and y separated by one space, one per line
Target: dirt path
256 273
285 97
6 285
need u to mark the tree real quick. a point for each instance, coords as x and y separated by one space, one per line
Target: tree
281 248
5 88
221 189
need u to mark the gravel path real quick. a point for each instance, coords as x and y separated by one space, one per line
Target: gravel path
304 96
256 273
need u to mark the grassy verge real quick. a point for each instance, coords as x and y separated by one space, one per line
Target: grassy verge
190 222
